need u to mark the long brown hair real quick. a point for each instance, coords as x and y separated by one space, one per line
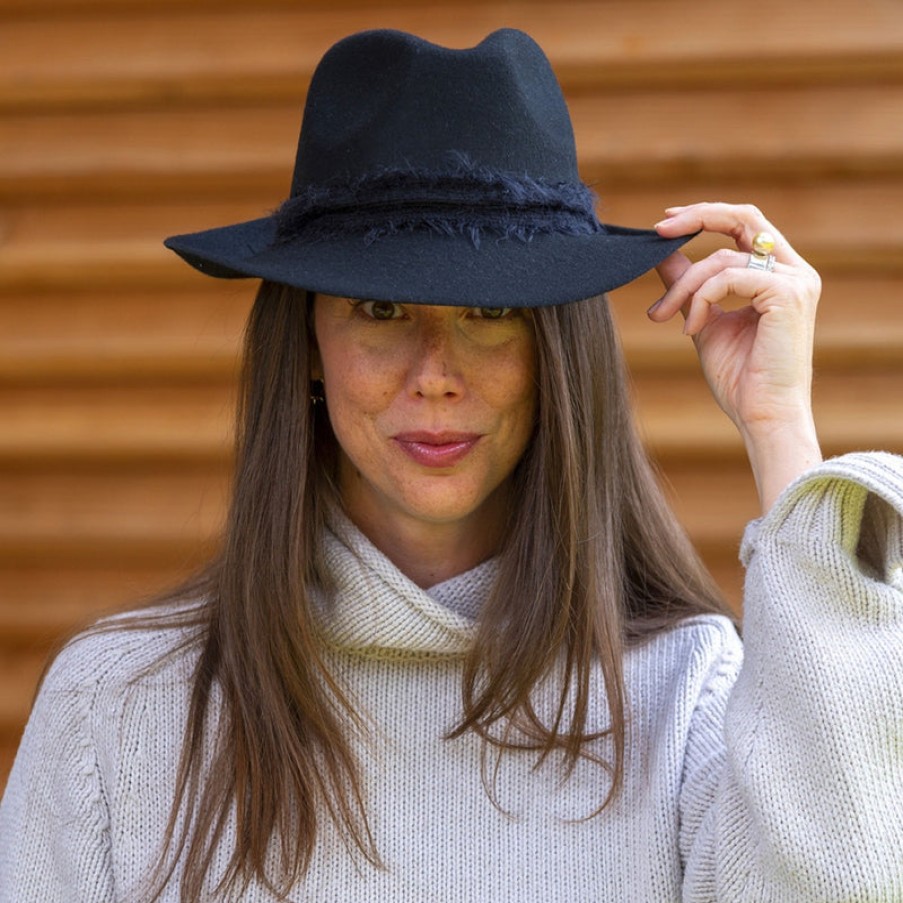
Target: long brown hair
593 561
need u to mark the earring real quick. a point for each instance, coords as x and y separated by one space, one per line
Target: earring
317 392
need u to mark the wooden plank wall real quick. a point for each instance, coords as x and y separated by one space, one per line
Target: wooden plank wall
122 121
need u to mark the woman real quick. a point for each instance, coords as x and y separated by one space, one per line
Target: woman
455 645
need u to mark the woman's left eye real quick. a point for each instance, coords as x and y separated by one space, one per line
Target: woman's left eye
494 313
381 310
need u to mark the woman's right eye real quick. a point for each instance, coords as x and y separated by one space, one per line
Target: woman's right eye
381 310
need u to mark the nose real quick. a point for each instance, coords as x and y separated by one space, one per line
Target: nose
435 370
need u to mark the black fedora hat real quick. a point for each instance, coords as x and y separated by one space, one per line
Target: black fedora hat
438 176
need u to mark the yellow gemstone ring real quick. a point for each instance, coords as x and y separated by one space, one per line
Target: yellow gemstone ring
761 257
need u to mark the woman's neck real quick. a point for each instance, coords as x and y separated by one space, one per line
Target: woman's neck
430 553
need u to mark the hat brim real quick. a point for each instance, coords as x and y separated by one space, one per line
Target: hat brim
430 268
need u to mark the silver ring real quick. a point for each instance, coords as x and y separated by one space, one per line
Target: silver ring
763 262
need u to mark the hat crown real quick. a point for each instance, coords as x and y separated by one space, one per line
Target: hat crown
383 100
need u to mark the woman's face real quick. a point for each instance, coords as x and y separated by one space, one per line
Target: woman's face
432 408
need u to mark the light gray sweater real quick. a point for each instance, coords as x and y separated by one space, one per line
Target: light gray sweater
778 781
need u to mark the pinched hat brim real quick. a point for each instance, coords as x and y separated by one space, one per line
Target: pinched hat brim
432 268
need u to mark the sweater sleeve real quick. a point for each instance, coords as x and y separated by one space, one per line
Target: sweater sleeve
54 823
808 807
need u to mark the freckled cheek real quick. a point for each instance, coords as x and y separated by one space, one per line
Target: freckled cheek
514 391
361 387
355 426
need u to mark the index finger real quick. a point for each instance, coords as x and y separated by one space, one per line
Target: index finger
741 222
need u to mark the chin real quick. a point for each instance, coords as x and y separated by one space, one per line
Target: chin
450 505
443 513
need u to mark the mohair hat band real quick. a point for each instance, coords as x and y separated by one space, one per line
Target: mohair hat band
435 176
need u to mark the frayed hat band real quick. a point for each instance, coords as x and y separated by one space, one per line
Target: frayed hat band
470 201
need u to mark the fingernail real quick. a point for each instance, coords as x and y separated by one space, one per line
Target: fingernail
655 306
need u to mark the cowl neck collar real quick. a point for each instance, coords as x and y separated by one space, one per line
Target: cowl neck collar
377 611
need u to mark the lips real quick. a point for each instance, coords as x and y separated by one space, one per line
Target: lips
442 449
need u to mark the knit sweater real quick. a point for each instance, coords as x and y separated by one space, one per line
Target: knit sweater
780 779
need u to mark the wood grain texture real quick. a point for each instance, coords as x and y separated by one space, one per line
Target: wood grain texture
172 53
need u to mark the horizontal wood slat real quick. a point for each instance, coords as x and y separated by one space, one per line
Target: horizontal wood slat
663 136
679 418
194 423
195 336
176 56
840 226
43 603
714 502
9 743
109 422
57 9
19 674
859 326
214 309
167 515
130 337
